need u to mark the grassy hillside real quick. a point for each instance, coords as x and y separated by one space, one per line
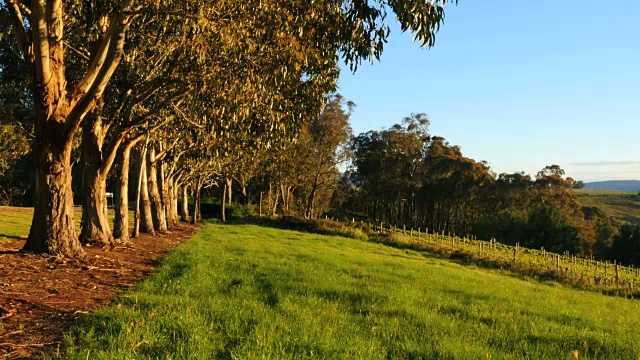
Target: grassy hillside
244 291
620 205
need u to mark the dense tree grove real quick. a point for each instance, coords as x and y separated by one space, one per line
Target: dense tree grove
403 176
191 94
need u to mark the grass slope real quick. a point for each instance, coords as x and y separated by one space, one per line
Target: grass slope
623 206
244 291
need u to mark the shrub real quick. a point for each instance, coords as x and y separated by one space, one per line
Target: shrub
235 211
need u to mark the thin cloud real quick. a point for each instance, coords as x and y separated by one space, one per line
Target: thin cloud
605 163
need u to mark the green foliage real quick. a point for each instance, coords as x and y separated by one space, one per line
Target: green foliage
407 177
626 245
236 211
242 291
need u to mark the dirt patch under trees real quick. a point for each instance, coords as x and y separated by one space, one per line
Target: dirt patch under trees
41 296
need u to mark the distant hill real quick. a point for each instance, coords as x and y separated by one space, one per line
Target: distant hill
620 185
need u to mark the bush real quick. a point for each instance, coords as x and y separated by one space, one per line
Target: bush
235 211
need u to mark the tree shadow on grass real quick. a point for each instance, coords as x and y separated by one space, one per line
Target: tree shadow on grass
268 295
12 237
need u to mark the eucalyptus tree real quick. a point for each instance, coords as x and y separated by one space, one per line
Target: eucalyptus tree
387 166
329 133
41 30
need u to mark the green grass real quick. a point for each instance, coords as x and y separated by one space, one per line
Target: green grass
622 206
245 291
16 221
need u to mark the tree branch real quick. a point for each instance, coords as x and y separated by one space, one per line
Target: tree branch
96 63
77 51
162 154
21 32
186 118
144 95
112 120
14 53
117 30
108 162
41 42
160 106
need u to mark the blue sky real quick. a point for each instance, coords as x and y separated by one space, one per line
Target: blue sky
521 84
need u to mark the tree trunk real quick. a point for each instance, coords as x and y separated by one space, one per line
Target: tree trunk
95 223
157 208
53 229
311 199
173 216
244 194
165 185
121 223
146 219
224 199
185 205
260 205
275 202
230 189
196 202
166 194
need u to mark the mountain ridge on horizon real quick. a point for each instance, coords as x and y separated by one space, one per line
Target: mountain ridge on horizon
621 185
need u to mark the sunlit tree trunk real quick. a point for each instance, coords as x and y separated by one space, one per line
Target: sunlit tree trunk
185 204
146 219
196 201
121 223
172 203
95 223
229 181
224 201
52 228
157 208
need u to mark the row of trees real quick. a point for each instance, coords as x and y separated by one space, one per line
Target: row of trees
405 176
197 90
296 177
